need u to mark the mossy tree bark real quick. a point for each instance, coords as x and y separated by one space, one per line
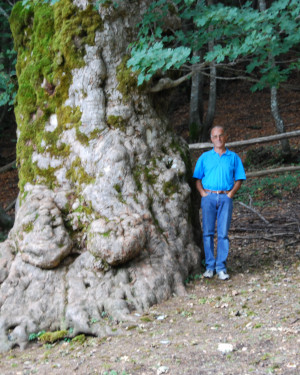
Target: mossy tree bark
105 224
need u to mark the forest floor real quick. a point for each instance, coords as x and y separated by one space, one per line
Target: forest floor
249 324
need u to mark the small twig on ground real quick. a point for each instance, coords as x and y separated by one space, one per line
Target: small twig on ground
292 243
253 238
255 212
250 201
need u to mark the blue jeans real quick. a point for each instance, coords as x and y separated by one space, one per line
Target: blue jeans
216 207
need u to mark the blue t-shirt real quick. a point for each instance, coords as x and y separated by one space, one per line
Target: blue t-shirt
219 172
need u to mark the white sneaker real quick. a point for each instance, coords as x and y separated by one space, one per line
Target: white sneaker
223 275
209 274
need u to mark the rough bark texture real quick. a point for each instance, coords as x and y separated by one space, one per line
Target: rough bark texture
105 224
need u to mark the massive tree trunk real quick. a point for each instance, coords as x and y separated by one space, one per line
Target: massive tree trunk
105 223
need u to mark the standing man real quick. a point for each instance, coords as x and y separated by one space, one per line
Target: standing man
219 173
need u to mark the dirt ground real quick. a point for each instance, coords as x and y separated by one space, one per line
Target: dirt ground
249 324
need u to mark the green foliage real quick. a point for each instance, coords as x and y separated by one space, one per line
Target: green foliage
7 59
239 34
266 188
147 60
192 278
35 336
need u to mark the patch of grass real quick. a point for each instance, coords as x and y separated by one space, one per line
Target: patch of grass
265 188
146 319
186 314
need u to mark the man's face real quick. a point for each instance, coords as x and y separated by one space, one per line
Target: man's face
218 138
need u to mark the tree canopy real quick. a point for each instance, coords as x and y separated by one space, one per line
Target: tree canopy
171 32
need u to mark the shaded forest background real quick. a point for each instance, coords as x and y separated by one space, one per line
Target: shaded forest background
245 115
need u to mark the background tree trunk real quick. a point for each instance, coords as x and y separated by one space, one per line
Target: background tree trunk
279 124
211 109
199 124
104 225
196 104
5 220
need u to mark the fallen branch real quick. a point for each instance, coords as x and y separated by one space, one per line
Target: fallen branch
271 138
168 83
248 229
253 238
255 212
8 166
265 172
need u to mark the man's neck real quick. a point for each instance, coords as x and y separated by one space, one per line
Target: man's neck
220 151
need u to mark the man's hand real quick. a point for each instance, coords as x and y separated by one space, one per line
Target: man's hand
230 195
199 187
235 188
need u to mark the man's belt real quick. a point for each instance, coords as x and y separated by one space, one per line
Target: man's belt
217 191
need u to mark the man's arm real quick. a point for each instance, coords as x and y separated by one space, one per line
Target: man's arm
235 188
199 187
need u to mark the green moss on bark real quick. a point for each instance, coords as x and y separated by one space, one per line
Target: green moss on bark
53 336
127 79
78 175
117 122
50 41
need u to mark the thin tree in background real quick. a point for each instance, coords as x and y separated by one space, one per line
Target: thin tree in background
279 123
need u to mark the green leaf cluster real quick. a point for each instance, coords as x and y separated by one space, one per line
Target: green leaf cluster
148 60
8 82
238 34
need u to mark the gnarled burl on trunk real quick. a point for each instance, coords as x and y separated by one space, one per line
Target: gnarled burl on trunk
105 221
